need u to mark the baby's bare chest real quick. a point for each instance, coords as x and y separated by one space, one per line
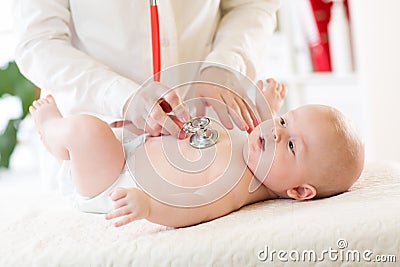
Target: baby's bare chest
177 162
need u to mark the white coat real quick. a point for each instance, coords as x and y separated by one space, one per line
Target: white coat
93 54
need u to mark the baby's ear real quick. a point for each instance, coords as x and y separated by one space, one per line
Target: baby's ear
302 192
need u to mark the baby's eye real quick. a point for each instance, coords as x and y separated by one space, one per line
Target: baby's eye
291 146
282 122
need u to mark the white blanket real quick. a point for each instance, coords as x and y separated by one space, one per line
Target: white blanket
43 230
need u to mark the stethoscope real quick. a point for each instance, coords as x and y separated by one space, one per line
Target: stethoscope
202 134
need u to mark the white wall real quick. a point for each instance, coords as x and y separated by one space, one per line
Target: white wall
7 38
377 42
9 106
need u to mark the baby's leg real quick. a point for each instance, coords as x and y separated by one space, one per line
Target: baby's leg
96 155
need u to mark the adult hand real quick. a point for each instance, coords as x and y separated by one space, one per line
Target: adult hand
228 104
144 111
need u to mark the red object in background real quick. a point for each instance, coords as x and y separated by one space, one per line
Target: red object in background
320 54
320 58
319 51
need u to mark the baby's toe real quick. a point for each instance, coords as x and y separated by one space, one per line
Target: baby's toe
271 81
42 101
272 84
277 87
50 99
36 104
32 109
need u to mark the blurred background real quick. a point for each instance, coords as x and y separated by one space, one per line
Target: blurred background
19 144
343 54
349 62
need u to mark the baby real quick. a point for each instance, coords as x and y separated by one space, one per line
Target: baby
317 154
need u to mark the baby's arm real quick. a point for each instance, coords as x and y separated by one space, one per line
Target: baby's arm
133 204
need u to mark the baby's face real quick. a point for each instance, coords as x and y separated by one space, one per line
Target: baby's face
300 138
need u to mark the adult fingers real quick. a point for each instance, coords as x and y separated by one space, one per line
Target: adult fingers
200 106
247 114
178 107
164 121
153 127
235 111
169 99
252 111
220 107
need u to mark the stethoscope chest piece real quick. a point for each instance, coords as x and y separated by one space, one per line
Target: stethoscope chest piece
203 136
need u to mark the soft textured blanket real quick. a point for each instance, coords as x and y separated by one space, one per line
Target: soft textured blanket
40 229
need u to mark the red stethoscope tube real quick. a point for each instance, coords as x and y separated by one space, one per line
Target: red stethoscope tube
155 39
155 44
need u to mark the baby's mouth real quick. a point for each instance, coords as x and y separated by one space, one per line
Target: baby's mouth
261 143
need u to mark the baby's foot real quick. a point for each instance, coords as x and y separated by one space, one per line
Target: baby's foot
44 110
49 121
275 93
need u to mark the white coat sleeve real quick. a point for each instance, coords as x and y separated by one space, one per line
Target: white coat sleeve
45 55
243 33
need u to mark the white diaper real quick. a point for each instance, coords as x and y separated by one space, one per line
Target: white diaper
101 203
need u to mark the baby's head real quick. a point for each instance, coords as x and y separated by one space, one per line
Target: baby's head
318 153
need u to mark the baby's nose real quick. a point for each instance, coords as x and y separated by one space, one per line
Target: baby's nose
275 134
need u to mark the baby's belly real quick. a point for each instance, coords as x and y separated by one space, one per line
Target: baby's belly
178 163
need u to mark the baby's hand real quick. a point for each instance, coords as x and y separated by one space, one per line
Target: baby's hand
275 93
130 203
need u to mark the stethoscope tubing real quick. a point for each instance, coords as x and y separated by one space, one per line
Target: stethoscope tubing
156 53
155 39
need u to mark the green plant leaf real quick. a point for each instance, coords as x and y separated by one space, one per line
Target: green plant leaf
8 141
6 78
25 90
13 83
